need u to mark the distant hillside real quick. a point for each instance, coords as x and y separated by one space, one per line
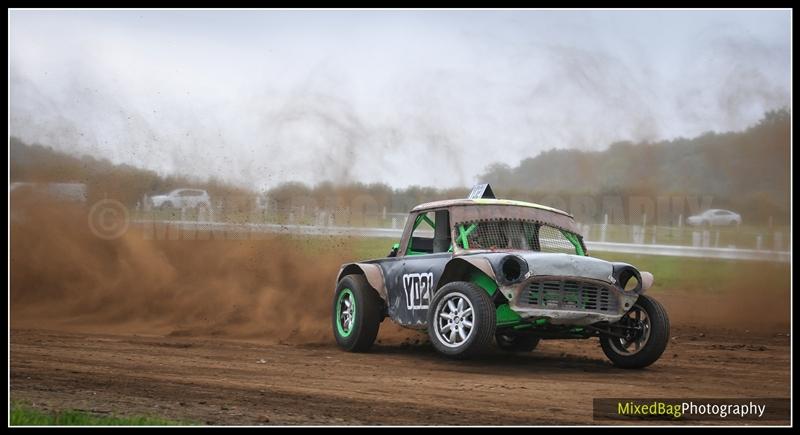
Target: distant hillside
747 170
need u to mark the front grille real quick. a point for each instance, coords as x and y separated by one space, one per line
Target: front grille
572 295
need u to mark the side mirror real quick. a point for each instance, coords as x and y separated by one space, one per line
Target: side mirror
393 252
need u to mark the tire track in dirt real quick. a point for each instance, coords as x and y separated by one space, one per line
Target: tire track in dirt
220 381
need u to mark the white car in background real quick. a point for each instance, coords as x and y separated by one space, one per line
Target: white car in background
715 216
182 198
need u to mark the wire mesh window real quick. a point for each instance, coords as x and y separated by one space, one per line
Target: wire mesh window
514 234
553 240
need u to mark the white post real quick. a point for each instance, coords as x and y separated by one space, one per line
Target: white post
654 235
394 222
778 242
716 240
603 228
644 227
680 220
758 242
696 238
638 234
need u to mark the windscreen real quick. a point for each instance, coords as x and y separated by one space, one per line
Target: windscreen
517 235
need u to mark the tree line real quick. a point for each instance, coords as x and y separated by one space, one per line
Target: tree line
747 171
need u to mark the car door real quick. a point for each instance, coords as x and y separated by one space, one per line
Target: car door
194 199
720 217
177 199
190 198
425 250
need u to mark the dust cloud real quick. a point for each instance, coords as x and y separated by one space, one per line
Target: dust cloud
277 288
63 277
746 307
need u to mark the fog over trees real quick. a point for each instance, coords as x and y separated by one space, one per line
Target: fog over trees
747 171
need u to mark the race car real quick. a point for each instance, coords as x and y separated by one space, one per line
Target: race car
477 270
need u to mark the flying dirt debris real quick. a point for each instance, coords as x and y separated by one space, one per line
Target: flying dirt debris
63 276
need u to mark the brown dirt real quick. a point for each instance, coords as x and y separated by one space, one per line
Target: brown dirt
271 287
221 381
176 328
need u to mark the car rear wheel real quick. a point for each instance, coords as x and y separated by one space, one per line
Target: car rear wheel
357 314
516 342
643 335
461 320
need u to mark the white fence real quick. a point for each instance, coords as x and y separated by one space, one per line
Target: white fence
592 246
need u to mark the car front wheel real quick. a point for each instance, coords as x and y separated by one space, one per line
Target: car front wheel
641 335
461 320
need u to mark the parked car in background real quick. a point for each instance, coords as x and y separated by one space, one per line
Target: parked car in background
182 198
715 216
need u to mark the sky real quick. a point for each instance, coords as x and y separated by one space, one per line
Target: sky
411 97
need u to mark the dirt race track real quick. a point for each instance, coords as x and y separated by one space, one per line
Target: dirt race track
178 329
222 381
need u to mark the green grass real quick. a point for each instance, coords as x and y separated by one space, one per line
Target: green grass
741 236
359 248
373 248
672 274
25 416
705 274
737 236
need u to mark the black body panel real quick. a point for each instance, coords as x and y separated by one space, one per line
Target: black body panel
410 281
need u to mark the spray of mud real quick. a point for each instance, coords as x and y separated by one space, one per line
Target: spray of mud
749 306
277 289
64 277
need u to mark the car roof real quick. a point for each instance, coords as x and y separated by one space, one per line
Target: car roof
484 201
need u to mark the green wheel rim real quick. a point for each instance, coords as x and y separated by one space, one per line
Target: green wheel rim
345 312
